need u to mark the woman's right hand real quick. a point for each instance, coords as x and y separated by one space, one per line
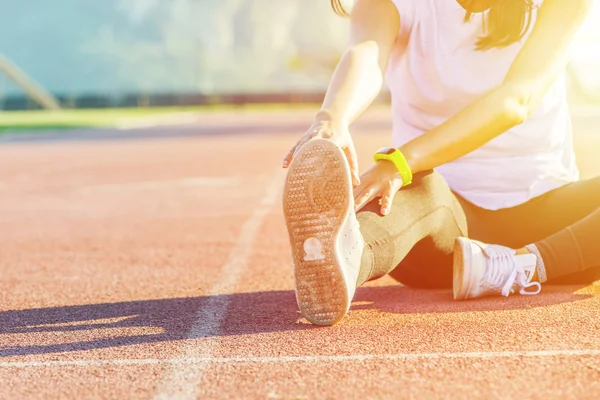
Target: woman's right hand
337 132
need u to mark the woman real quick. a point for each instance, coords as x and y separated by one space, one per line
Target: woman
478 96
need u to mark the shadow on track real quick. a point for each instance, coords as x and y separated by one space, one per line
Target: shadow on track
248 313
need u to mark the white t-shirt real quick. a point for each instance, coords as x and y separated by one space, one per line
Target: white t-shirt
435 71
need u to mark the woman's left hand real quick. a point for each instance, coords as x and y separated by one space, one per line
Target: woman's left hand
381 180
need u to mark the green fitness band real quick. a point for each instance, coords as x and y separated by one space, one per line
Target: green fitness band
396 157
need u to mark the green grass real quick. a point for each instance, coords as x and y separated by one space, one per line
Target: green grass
109 117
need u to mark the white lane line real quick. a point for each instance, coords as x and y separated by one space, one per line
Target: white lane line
171 119
195 181
182 381
203 361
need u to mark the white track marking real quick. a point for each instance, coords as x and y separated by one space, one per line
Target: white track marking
171 119
197 181
204 361
182 381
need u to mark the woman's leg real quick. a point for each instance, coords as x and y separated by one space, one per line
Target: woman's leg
554 240
571 255
334 250
560 227
414 243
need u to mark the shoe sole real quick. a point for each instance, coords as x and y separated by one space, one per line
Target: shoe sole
461 269
316 204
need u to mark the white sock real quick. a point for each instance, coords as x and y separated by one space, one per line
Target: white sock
540 267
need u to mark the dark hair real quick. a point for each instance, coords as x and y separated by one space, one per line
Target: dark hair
507 21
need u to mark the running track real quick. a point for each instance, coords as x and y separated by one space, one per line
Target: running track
153 264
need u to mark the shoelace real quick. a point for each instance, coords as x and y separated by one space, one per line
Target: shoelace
502 271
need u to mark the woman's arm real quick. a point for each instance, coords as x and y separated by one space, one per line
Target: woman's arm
358 77
542 58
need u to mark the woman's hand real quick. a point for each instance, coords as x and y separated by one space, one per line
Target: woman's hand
328 128
381 180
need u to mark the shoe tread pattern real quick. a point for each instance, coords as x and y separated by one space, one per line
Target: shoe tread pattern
315 205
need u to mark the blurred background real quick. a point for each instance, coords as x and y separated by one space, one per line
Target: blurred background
129 53
90 53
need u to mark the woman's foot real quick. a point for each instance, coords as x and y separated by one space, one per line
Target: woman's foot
485 270
327 245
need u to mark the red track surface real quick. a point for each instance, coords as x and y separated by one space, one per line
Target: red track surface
160 268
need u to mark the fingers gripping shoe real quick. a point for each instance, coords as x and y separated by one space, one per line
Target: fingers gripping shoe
483 270
326 243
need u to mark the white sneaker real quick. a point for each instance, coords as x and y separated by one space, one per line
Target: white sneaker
483 270
327 245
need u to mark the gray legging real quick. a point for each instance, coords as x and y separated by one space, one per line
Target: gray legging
414 243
